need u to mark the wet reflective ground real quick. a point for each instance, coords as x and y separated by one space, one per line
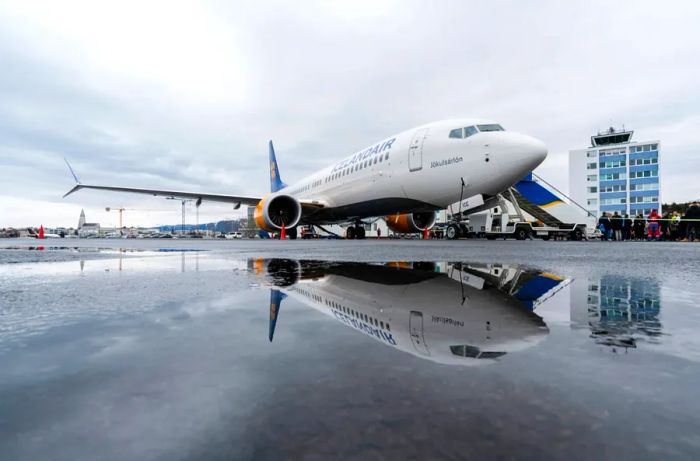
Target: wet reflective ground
224 354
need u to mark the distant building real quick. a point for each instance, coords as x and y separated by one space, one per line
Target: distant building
616 174
87 229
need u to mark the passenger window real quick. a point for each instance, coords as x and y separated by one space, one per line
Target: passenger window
469 131
456 133
490 127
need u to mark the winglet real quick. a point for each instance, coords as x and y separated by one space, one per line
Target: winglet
76 188
275 180
71 172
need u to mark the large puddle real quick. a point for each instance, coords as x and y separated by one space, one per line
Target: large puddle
202 355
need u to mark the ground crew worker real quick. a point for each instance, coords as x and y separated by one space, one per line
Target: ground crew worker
653 230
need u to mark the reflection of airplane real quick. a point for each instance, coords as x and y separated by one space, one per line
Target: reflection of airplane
447 313
406 177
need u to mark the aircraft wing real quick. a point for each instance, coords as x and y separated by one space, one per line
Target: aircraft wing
172 193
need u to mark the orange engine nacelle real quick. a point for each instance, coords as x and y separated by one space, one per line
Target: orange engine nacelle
272 212
410 223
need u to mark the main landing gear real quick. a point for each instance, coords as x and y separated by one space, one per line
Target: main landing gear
355 232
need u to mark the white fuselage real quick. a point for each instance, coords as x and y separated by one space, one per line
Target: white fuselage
420 169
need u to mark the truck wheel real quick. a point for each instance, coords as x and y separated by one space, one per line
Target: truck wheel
350 233
521 233
452 232
546 237
292 234
491 237
360 232
577 235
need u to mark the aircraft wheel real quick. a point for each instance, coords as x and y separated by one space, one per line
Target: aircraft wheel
360 232
292 234
452 232
350 233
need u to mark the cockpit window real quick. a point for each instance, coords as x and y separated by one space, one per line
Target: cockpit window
490 127
491 355
461 133
456 133
470 130
465 350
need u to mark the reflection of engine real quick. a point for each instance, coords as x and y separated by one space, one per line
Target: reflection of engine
411 222
271 213
283 272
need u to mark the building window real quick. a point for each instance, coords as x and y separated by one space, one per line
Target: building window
592 201
615 188
593 190
644 174
612 176
613 201
592 154
615 164
591 166
592 177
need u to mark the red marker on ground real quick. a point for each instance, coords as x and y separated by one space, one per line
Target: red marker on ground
41 231
426 234
283 234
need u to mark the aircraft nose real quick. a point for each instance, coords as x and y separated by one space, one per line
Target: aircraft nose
536 152
523 152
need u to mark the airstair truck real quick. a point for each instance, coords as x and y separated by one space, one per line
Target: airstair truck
526 210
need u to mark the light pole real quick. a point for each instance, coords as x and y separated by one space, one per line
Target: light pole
183 202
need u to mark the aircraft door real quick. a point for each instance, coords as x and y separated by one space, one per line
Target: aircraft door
415 150
415 325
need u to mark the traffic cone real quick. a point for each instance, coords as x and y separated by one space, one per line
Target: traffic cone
426 234
41 231
283 234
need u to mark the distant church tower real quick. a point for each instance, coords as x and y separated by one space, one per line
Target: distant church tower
81 221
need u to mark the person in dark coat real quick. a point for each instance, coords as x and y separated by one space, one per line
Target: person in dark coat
692 217
616 223
626 227
604 226
664 226
639 227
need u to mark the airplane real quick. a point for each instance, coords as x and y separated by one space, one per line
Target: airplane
448 313
404 178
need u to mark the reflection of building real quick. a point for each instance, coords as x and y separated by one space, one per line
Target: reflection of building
616 174
87 229
618 310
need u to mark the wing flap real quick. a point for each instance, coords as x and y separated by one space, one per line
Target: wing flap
172 193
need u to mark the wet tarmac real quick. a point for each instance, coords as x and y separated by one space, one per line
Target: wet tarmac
192 349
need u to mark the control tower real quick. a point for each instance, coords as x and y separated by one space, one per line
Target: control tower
616 174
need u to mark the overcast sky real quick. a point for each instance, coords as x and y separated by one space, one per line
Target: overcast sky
186 95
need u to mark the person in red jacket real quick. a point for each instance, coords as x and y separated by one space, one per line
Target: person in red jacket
654 231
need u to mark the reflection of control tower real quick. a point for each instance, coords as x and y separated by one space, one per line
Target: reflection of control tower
618 310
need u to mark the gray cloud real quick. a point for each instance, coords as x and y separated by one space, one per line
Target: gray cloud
189 99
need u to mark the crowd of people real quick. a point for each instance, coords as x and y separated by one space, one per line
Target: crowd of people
667 227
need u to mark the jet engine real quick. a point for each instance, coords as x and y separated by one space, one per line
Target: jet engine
272 212
409 223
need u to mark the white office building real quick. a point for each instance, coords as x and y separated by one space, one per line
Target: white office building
616 174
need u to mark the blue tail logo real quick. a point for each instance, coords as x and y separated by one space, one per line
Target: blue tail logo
275 180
